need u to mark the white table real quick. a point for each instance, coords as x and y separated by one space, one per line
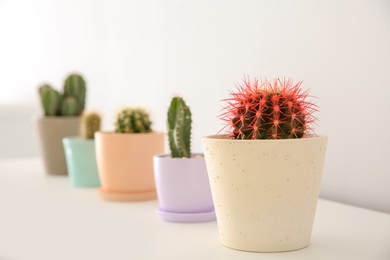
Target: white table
44 218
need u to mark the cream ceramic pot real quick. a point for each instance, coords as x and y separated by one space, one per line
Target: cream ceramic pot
265 192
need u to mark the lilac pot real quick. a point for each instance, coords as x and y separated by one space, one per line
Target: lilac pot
183 189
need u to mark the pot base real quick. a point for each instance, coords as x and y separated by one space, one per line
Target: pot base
127 196
186 217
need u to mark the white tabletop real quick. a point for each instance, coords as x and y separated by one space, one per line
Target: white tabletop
44 218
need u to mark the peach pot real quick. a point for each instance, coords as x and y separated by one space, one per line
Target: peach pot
265 192
125 164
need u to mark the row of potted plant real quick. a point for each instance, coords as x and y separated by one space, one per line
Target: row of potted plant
263 175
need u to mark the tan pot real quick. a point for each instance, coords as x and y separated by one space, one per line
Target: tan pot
125 164
265 192
51 131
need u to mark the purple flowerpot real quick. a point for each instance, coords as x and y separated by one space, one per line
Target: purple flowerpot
183 189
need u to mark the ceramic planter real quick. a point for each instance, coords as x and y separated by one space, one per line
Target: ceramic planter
81 162
183 189
51 131
125 164
265 191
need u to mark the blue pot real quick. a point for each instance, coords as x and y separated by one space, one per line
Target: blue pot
81 162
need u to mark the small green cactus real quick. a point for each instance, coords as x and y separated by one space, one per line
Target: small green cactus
75 87
90 123
50 99
133 120
70 103
179 128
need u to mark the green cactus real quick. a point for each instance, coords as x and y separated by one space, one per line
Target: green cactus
70 106
75 87
90 123
133 120
69 103
179 128
50 99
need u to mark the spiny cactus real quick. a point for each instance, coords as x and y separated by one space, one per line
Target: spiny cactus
265 109
133 120
179 128
90 123
70 103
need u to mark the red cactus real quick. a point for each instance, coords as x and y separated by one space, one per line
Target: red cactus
265 109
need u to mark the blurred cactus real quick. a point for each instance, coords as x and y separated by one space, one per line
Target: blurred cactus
50 99
179 128
70 103
75 87
133 120
90 123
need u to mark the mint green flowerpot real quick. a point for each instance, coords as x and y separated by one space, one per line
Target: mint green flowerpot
81 162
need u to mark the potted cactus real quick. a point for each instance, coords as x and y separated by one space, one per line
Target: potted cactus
183 188
80 152
61 118
265 173
125 157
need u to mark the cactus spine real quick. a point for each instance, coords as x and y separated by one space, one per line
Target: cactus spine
133 120
275 109
179 128
70 103
90 123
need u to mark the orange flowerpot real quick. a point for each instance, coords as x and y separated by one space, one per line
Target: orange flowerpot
125 164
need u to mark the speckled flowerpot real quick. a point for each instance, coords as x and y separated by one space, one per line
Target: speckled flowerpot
265 192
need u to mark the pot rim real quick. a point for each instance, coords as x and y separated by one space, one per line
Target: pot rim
167 156
76 138
225 138
127 134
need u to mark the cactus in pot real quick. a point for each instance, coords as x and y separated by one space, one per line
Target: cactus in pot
69 103
268 166
124 156
61 118
90 123
181 177
265 109
179 128
133 120
80 152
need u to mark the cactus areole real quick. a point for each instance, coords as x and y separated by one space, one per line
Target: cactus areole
262 109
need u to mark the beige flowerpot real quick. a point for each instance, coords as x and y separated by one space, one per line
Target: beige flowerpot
125 164
265 192
51 131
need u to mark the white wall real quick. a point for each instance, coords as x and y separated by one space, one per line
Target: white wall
142 52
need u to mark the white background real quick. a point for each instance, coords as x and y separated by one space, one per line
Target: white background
143 52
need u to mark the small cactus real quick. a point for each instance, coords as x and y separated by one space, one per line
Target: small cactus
69 103
75 86
275 109
133 120
90 123
179 128
50 99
